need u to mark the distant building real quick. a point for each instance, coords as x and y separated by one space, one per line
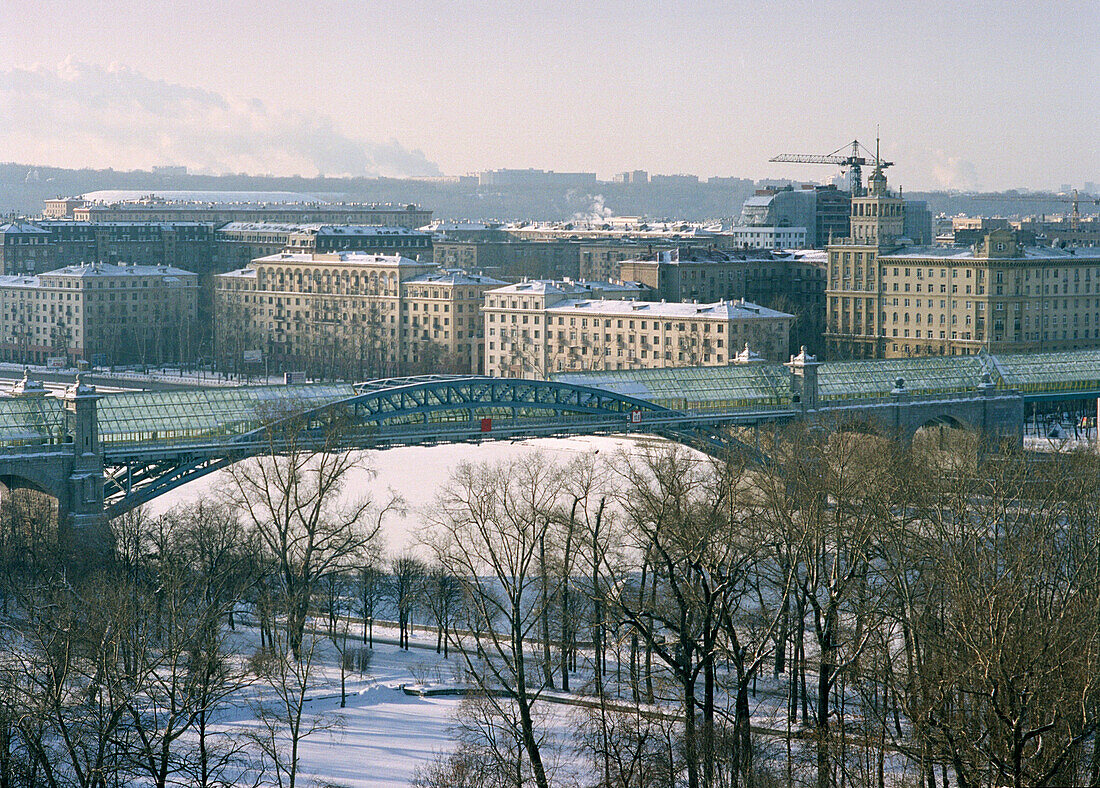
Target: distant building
541 329
855 287
918 223
24 248
238 243
62 207
532 177
104 313
220 208
789 281
632 177
821 210
513 258
350 314
765 237
674 180
600 260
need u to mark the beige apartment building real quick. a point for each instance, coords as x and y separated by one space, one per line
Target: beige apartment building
539 328
349 314
98 312
998 296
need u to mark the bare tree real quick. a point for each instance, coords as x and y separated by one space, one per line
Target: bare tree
290 498
490 522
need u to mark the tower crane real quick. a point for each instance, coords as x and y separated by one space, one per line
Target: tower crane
854 157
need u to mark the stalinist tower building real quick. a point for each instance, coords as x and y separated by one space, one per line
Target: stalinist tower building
854 287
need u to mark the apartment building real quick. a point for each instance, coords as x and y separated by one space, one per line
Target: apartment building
512 259
997 295
535 329
349 314
788 281
239 243
99 312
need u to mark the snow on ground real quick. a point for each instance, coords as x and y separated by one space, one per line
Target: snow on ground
383 735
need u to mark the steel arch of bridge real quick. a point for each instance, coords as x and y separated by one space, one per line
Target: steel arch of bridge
416 411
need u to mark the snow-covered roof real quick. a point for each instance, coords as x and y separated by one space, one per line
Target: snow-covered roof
358 258
110 196
448 277
89 270
56 223
321 229
719 310
1091 254
240 273
569 287
20 227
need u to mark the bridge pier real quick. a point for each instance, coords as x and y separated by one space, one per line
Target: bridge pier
80 508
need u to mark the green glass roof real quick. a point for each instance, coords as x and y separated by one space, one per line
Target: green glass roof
32 420
163 417
1051 373
841 380
695 388
134 417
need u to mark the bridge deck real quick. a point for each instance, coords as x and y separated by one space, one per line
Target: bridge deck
203 416
1037 376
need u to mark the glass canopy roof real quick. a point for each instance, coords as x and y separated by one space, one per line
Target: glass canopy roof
166 416
131 417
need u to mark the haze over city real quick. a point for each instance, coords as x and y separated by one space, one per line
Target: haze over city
966 95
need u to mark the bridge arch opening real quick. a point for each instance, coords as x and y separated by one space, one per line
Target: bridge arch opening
947 438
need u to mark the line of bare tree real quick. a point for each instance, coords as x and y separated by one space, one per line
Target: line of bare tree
853 613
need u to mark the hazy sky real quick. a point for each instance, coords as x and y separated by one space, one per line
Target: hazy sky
967 94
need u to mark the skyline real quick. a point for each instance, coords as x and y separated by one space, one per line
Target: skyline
387 89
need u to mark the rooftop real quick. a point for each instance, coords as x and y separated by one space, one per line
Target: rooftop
967 253
356 258
449 277
20 227
569 287
110 269
321 229
719 310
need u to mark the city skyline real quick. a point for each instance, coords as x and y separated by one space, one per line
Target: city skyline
332 88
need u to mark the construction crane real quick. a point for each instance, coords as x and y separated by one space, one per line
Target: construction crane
854 160
1073 198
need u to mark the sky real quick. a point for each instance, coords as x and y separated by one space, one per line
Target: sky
966 95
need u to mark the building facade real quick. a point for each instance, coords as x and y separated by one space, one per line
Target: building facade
239 243
823 211
766 237
350 314
220 213
600 334
534 329
997 295
102 313
855 283
512 259
789 281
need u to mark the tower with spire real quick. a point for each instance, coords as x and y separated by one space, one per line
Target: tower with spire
854 288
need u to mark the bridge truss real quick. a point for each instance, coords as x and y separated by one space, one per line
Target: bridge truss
416 411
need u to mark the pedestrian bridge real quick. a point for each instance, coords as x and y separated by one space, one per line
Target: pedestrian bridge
106 454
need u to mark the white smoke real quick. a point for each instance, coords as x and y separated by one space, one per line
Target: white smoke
596 212
82 115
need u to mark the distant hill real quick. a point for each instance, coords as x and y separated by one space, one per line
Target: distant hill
24 187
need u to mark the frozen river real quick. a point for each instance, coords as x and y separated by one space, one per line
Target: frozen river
416 474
